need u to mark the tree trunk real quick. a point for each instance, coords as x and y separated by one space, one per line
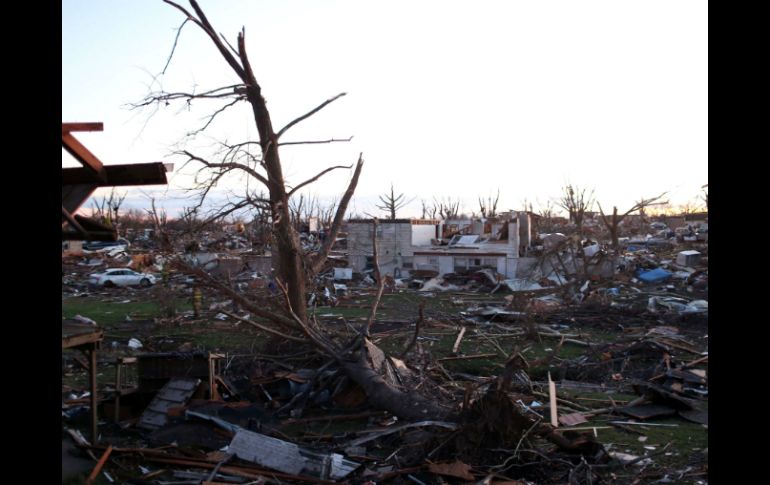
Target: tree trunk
287 245
407 405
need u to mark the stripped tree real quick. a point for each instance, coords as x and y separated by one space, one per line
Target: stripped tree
293 267
612 223
576 202
448 208
428 211
488 208
107 209
360 358
392 202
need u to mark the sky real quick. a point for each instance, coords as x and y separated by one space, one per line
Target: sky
444 98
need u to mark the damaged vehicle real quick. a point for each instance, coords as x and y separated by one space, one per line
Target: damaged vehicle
121 277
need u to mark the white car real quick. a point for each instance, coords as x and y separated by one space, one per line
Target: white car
121 277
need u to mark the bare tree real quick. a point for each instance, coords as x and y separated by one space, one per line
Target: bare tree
107 209
428 211
448 208
293 266
488 207
705 195
689 207
325 212
159 219
576 202
295 208
613 223
546 211
189 219
133 221
392 202
527 204
263 167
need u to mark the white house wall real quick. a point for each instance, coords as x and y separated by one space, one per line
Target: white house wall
504 265
446 264
393 244
422 234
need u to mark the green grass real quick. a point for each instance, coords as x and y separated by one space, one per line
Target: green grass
107 312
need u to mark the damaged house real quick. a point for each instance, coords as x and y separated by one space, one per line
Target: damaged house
397 240
415 244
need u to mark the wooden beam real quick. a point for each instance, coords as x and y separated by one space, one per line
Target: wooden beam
459 339
153 173
74 196
552 402
85 157
88 126
81 339
71 220
92 236
467 357
95 403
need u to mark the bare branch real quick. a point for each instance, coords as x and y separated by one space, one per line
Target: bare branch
184 11
309 114
232 49
173 48
166 98
319 340
320 257
214 115
416 330
222 213
331 140
230 166
265 329
311 180
212 282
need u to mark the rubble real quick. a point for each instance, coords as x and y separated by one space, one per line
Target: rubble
618 352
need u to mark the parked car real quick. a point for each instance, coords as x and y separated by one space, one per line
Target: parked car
95 245
121 277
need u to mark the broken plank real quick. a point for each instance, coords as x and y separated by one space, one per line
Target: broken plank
334 417
99 465
459 339
238 471
552 398
695 362
627 429
467 357
634 423
679 346
583 428
379 433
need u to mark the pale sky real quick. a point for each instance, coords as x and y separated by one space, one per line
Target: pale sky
444 98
